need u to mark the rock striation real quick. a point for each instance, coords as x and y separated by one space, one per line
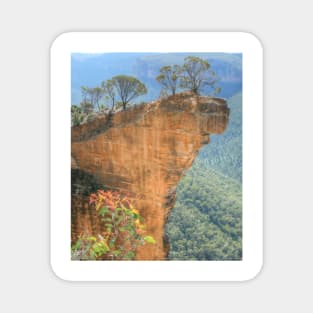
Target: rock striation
143 151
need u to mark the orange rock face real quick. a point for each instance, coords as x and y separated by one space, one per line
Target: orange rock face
143 151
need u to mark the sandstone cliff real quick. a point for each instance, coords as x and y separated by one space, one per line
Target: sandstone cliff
145 151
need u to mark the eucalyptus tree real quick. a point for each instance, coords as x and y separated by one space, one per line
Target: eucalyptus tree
196 74
169 78
97 94
128 88
92 96
109 91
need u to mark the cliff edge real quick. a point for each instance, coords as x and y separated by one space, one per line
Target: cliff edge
143 151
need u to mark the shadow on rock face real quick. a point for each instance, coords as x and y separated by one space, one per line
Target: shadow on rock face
145 152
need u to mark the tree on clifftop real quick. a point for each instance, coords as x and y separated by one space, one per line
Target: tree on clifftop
92 96
128 88
97 93
196 74
168 78
109 91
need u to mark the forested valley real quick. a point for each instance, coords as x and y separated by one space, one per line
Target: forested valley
206 222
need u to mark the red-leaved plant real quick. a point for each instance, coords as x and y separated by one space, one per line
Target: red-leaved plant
124 230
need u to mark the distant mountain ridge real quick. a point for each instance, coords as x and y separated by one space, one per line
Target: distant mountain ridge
91 69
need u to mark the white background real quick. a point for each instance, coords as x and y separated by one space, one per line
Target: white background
61 50
27 30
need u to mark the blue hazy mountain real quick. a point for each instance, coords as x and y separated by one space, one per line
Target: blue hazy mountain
91 69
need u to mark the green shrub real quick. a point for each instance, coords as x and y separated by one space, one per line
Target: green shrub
124 230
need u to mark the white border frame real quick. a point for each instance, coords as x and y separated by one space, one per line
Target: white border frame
101 42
